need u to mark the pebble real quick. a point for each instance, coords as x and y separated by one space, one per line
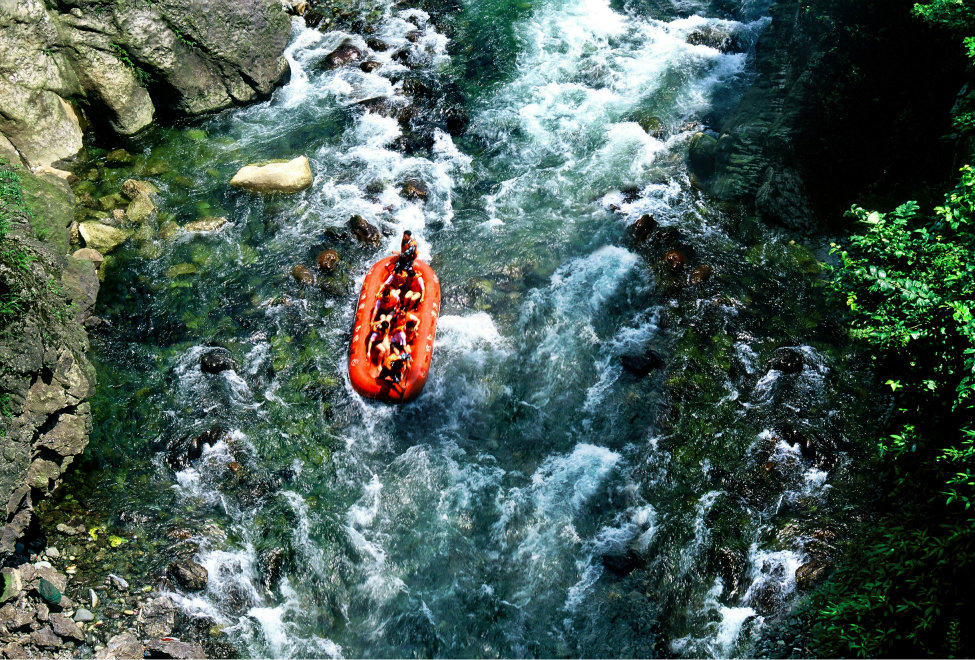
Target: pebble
52 552
117 582
94 598
128 612
83 615
42 564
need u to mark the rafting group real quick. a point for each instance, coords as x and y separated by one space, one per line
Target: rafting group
394 323
394 328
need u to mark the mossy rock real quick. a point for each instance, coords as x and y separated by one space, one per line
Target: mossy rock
180 269
49 592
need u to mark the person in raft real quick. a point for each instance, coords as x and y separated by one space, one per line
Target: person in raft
407 252
395 365
377 343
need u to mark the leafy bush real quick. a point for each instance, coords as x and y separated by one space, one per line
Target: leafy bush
907 279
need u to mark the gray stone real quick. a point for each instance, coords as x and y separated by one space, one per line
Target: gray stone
172 648
157 617
83 615
65 627
121 647
189 575
45 638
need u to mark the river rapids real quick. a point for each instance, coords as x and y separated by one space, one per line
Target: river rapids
541 498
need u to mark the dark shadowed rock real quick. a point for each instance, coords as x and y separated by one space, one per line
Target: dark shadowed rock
216 360
622 563
675 260
788 360
701 154
189 575
370 65
363 231
641 230
700 275
271 563
641 364
414 189
809 573
181 452
327 259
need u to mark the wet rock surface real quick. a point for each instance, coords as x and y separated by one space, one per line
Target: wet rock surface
123 60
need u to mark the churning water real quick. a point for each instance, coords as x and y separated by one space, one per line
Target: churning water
538 499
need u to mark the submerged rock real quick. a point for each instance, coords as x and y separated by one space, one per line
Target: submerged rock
209 223
302 275
788 360
344 54
277 177
216 360
414 188
675 260
621 563
189 575
643 228
700 275
133 188
717 37
183 451
140 209
327 259
363 231
642 364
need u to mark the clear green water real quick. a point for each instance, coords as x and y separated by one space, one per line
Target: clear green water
472 522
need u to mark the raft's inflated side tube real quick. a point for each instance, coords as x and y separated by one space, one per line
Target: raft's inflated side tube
362 372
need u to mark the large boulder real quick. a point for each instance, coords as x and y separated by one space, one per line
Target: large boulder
189 575
118 60
276 177
101 237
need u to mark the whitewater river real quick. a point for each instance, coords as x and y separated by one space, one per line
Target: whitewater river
538 499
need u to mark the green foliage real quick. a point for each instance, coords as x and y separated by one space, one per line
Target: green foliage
907 278
123 56
956 15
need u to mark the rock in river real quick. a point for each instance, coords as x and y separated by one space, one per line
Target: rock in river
276 177
101 237
302 275
363 231
216 360
327 260
189 575
209 223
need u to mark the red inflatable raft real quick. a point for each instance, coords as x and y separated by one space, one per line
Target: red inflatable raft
362 372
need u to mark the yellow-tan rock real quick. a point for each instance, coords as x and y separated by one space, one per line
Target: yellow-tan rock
279 177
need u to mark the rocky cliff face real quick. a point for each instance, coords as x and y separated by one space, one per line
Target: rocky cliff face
45 376
848 105
118 63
